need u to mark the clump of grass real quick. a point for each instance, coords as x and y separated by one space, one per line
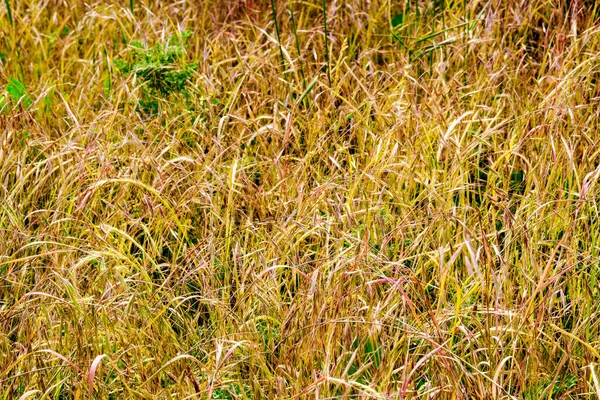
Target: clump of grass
432 232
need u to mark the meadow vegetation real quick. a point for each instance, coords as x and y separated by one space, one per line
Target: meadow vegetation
299 199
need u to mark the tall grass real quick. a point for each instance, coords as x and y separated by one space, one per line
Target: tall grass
432 233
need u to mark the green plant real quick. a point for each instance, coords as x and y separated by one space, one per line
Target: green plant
162 70
18 93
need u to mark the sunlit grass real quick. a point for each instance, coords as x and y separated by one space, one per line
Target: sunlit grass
400 201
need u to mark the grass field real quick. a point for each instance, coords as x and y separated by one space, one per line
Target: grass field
288 199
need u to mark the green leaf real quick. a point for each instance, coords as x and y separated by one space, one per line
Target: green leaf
8 9
18 93
123 66
397 20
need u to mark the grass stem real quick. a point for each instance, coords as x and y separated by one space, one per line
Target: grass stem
324 7
274 11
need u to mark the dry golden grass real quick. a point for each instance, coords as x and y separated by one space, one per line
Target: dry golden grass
409 209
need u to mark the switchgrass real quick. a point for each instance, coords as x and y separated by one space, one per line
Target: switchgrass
408 209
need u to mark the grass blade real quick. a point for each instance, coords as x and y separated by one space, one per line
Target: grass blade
274 11
295 28
9 11
324 7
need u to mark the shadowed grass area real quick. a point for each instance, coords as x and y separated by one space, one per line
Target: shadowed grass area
243 200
